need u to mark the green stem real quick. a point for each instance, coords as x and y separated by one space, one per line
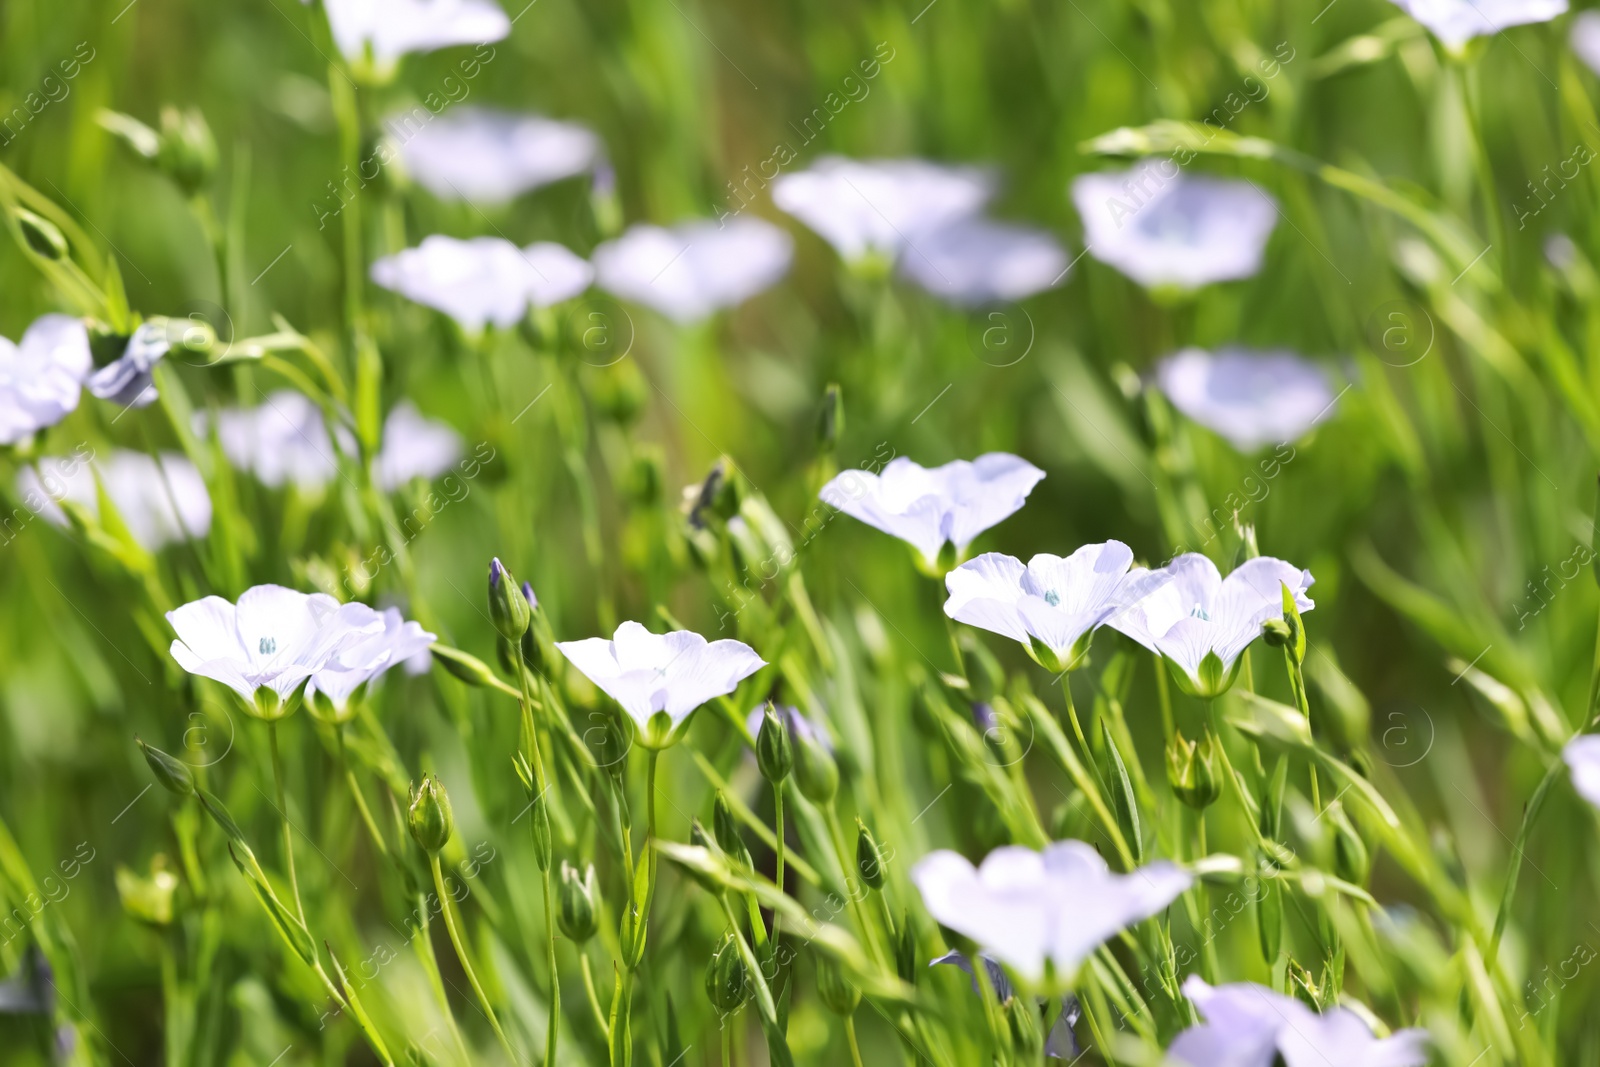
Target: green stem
594 997
777 819
727 1042
423 942
1529 814
554 1028
850 1036
536 759
462 955
355 791
283 813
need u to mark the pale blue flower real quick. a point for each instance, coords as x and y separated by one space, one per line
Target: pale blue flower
696 268
976 261
1042 913
1455 22
483 280
128 379
390 29
485 154
1583 757
41 378
1162 227
368 656
413 446
158 503
929 507
1250 398
1248 1025
282 441
864 207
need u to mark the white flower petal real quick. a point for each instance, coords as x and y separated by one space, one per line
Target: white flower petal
1455 22
674 672
696 268
1242 1021
205 630
483 280
1586 45
393 28
487 155
866 206
1341 1036
1583 757
1250 398
369 655
975 262
985 592
414 447
284 440
1162 227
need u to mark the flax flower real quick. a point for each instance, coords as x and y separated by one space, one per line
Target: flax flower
1247 1025
159 503
696 268
1200 623
485 280
413 446
658 679
1250 398
485 154
1455 22
354 665
931 507
386 30
42 376
128 379
976 261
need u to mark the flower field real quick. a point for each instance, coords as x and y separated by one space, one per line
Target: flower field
951 534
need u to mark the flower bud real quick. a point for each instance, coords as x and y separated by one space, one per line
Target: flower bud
833 988
869 859
1275 632
508 608
1351 859
1192 771
815 772
905 952
619 392
429 818
187 153
468 668
774 752
170 771
41 235
830 420
148 900
726 829
576 917
727 978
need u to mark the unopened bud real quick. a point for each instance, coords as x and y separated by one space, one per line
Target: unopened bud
774 751
815 772
727 978
726 829
576 917
508 608
466 667
830 420
1191 770
836 992
170 771
429 818
41 235
869 859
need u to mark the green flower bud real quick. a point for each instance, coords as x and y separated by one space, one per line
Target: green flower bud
188 152
1351 859
830 420
170 771
41 235
1269 921
1275 632
1192 770
577 918
838 995
468 668
905 952
619 392
869 859
508 608
814 770
727 978
726 829
774 752
429 818
148 900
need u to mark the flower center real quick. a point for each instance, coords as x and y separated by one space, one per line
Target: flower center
268 646
1052 597
1198 612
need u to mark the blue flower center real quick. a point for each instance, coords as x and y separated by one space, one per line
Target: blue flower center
268 646
1052 597
1198 612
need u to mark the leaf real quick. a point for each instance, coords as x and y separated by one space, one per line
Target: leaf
360 1013
1122 797
289 926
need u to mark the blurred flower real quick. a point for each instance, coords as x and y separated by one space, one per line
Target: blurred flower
879 206
1248 1025
1455 22
127 379
414 446
650 673
976 261
928 507
1200 623
158 503
1251 398
392 28
485 279
1586 38
272 640
41 377
1174 230
1053 602
1583 756
695 268
368 656
1032 909
283 440
485 154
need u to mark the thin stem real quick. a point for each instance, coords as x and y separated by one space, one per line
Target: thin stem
777 819
850 1036
355 791
536 758
594 997
283 812
423 941
1529 814
727 1042
554 1028
461 954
